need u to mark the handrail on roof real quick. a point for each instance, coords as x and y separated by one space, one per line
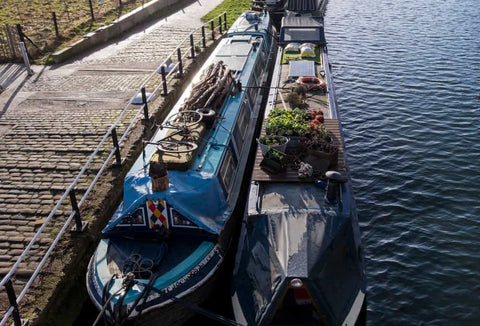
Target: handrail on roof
7 283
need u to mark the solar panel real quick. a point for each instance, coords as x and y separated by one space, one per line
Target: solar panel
301 68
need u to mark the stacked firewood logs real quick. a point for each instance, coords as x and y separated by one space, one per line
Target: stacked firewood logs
210 91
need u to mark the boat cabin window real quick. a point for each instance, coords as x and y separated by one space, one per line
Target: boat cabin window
180 221
152 216
299 34
258 71
137 218
228 168
252 93
241 125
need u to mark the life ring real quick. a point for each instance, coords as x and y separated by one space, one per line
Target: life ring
312 83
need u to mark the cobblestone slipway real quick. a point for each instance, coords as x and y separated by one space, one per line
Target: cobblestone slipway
51 122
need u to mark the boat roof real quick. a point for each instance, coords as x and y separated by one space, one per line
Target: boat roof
291 230
196 193
280 245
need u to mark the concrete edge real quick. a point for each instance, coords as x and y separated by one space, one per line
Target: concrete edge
105 33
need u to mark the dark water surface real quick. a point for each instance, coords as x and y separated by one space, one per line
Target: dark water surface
407 81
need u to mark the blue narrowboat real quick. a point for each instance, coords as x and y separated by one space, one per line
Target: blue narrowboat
165 245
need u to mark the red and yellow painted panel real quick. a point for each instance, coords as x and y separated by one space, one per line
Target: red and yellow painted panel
157 214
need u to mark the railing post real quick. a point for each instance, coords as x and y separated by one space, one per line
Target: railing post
12 298
164 80
225 21
20 33
118 158
54 17
91 9
180 64
220 24
204 43
26 62
79 225
145 105
212 27
192 46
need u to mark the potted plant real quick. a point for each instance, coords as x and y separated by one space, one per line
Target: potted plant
282 122
278 143
273 161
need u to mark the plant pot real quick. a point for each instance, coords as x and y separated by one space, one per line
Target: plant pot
327 153
273 161
280 148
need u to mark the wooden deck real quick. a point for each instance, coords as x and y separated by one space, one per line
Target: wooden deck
291 174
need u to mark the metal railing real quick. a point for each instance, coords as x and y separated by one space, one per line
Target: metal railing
158 81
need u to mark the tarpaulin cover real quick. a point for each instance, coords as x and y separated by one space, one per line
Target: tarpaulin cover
196 195
296 243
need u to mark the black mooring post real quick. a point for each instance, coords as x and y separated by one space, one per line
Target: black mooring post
220 24
12 298
91 9
22 37
76 210
225 21
204 43
118 158
180 64
192 46
20 33
164 80
54 17
145 105
213 30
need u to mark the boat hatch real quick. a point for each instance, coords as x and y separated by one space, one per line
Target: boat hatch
235 54
297 307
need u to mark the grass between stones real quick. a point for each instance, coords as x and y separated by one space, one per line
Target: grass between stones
73 20
234 8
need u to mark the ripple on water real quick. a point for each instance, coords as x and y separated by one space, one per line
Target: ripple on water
407 81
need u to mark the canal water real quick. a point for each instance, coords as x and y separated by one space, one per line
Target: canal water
407 80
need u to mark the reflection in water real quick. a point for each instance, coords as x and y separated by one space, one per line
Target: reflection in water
406 76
